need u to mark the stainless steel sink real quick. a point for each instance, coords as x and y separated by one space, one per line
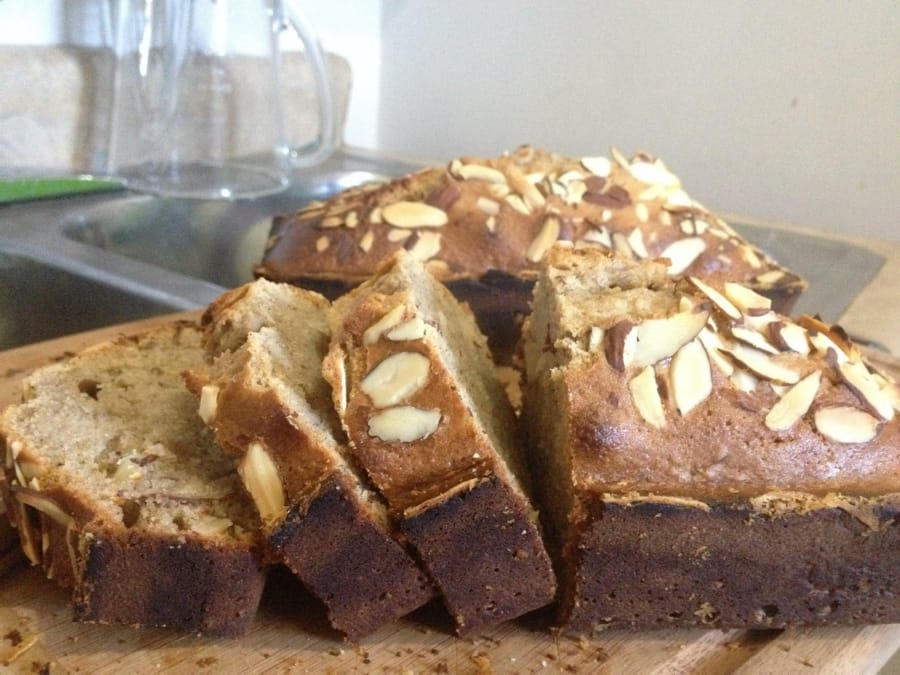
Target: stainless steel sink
75 263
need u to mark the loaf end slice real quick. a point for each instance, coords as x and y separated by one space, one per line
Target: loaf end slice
415 388
697 448
264 396
118 490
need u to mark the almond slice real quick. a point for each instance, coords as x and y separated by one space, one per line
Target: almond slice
763 364
478 172
396 378
404 424
426 246
753 338
690 376
789 337
636 242
860 381
544 240
654 173
599 166
682 253
621 340
595 338
645 396
374 332
717 298
660 338
209 402
413 329
413 214
835 335
747 300
794 403
846 424
260 477
42 503
743 380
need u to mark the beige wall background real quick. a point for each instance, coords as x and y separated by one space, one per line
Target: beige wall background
782 110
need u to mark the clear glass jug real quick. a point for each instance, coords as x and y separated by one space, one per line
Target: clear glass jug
197 107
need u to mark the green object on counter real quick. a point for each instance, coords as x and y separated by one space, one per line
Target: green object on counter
24 189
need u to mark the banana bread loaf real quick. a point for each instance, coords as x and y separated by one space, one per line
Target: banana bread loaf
483 226
704 459
414 385
264 396
117 489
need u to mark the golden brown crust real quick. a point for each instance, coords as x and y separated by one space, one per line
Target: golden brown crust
498 216
689 437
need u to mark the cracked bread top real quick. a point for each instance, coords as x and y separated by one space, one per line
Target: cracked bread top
478 215
697 389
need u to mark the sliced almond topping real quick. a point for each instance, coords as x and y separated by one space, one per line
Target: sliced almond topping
860 381
665 218
499 190
341 394
426 246
753 338
794 403
658 339
682 253
209 526
654 173
491 224
331 221
678 199
599 166
836 336
642 213
530 194
413 214
479 172
322 243
375 216
574 191
825 345
209 401
748 301
845 424
748 254
789 337
260 477
351 220
595 338
600 236
763 364
374 332
621 340
743 380
488 206
396 378
404 424
717 298
636 242
395 235
620 245
518 204
42 503
619 158
365 243
544 240
414 329
690 376
645 396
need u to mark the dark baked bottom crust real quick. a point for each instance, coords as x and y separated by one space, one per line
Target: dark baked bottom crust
485 554
655 565
210 589
363 576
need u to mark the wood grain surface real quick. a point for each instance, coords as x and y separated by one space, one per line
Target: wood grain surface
290 634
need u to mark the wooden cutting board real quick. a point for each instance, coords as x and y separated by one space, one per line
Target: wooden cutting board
290 633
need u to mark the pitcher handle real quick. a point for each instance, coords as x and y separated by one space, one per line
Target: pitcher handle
324 145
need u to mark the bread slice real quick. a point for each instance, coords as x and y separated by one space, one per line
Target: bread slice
264 396
118 489
414 385
706 461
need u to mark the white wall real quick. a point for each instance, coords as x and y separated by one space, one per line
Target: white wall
782 110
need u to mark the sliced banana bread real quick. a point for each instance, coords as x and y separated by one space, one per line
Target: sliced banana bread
703 459
414 385
264 396
118 489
